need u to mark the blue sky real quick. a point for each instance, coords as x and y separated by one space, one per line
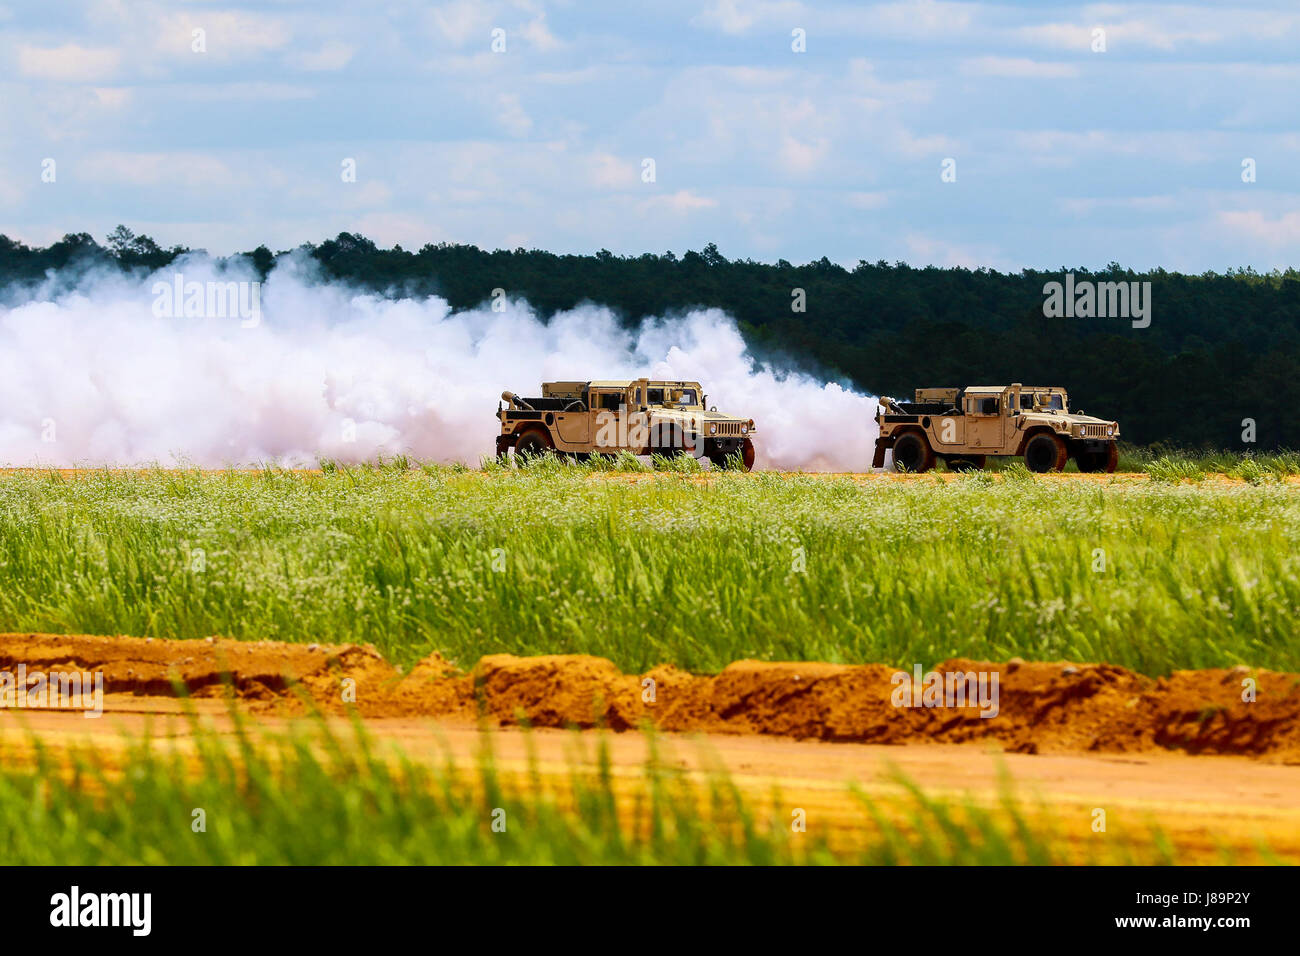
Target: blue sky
1064 155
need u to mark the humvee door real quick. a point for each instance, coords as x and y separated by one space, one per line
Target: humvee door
574 423
609 418
984 418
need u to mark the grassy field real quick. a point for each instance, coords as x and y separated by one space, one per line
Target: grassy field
1166 462
315 798
666 568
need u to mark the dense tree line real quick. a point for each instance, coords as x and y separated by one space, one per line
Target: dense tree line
1220 347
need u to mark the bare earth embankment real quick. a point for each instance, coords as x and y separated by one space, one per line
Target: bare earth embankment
1184 753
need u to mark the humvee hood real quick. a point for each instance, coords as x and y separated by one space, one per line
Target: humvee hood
694 413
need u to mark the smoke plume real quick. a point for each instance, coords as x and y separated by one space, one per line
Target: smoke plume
106 369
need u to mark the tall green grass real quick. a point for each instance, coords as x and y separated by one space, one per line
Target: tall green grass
653 567
1169 463
1174 463
314 797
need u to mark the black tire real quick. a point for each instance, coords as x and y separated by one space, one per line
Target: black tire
1104 459
532 444
677 445
966 463
912 453
723 460
1045 452
1089 461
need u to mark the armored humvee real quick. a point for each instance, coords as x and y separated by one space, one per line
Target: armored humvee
963 426
641 415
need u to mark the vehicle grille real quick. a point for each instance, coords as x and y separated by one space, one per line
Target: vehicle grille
728 428
1096 431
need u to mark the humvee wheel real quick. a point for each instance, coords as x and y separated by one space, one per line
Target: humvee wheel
1104 459
1046 452
722 461
680 445
912 453
966 463
533 443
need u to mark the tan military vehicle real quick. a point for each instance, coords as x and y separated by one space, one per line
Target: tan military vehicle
642 416
963 426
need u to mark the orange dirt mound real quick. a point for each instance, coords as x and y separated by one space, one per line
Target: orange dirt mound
1042 707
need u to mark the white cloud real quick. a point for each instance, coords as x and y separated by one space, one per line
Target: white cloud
1062 36
867 201
463 22
539 35
372 192
1282 230
941 252
799 157
227 35
681 202
68 63
1018 68
510 115
1073 143
906 143
607 171
331 56
915 18
156 170
111 98
863 80
1086 206
251 90
11 194
1164 27
738 16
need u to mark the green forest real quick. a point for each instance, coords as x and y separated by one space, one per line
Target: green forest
1220 347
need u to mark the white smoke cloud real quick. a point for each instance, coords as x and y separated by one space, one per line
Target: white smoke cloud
90 375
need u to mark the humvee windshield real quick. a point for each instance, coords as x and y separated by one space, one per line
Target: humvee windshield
672 396
1031 400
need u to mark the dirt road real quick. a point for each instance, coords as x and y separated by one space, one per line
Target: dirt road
1202 805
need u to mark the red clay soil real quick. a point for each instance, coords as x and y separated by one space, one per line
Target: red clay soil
1043 707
